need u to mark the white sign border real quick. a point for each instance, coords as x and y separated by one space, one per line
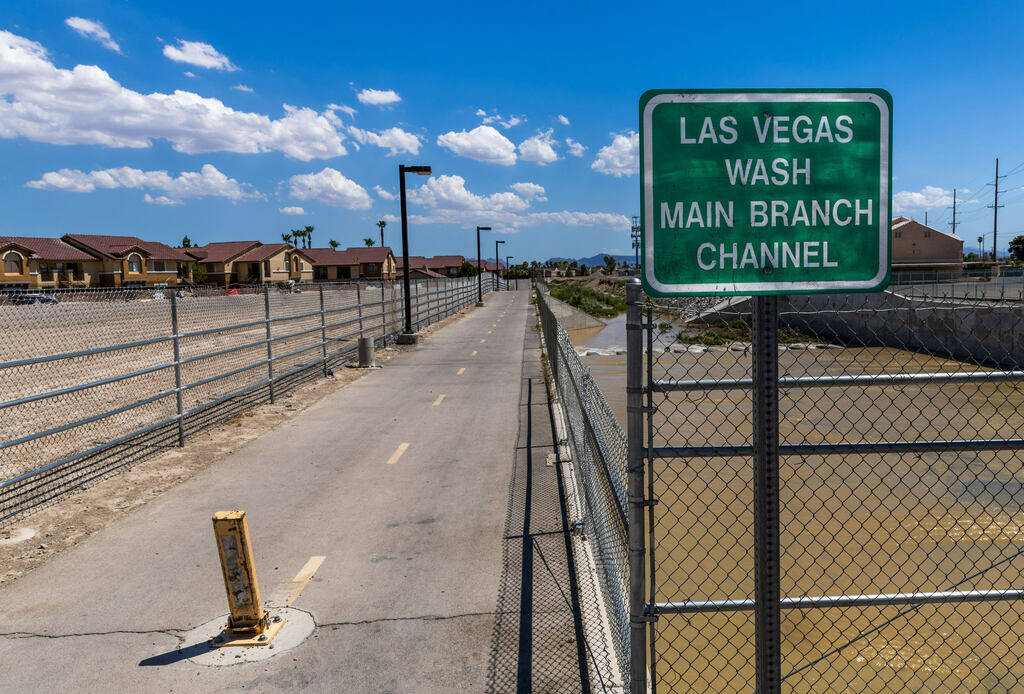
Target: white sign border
771 97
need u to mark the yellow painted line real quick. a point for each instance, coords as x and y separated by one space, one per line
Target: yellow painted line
489 332
287 593
398 453
461 371
483 340
440 399
473 354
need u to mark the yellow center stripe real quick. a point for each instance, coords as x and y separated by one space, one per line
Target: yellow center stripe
440 399
398 453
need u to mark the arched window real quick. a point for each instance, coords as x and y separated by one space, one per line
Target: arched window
135 263
295 263
12 263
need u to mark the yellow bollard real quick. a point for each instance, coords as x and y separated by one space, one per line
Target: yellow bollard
248 623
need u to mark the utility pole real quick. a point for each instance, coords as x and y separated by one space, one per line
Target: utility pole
954 222
995 213
634 233
926 217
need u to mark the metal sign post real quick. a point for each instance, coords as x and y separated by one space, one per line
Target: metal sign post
766 494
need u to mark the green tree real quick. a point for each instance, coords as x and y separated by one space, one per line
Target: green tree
186 242
1017 248
287 238
468 269
198 272
609 264
307 232
382 224
369 242
334 244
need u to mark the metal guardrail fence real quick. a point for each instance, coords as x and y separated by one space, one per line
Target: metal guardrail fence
88 387
598 453
899 554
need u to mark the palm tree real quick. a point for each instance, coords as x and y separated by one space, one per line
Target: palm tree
369 242
382 224
981 246
296 236
308 233
334 244
287 238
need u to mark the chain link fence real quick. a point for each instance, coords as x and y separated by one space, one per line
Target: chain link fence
901 494
597 491
98 380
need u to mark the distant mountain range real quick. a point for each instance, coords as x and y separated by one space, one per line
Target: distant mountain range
595 260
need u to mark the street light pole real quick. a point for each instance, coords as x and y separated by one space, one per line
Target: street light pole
479 269
507 271
497 262
408 337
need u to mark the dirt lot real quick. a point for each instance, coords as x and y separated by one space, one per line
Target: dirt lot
850 524
68 521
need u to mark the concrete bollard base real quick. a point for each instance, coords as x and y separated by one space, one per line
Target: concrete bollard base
408 338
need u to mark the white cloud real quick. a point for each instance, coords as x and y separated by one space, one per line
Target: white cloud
575 148
529 191
448 201
496 117
160 200
351 112
925 199
540 148
378 97
449 193
199 54
621 157
330 187
44 103
395 140
243 88
291 209
383 194
91 29
207 182
482 143
562 119
189 73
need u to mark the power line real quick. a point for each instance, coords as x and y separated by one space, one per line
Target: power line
995 213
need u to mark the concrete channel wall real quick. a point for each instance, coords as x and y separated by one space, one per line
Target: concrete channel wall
967 330
570 317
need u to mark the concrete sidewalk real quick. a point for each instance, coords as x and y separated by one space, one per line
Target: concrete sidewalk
413 537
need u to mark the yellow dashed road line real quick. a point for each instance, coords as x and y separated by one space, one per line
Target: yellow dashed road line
440 399
398 453
461 371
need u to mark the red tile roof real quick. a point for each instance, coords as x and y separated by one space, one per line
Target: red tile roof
488 265
221 251
420 270
263 252
47 248
435 263
349 256
118 246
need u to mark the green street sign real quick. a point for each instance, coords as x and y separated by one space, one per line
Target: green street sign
765 191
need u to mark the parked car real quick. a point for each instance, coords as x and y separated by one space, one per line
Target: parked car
30 299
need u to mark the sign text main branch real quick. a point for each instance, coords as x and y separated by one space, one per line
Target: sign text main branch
765 191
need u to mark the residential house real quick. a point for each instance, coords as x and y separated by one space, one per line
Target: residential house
30 262
489 265
275 263
126 261
217 260
372 263
440 265
917 248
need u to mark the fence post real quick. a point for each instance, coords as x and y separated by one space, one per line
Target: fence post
270 350
359 306
383 315
177 370
323 328
635 486
766 494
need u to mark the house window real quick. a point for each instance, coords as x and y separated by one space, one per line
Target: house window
371 269
135 263
12 263
210 267
320 273
927 234
344 272
899 234
159 266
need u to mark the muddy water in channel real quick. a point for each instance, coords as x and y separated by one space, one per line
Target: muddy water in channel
850 524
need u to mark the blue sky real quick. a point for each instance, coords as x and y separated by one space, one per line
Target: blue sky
139 119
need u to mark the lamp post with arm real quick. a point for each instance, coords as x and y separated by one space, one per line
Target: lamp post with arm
497 262
408 337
